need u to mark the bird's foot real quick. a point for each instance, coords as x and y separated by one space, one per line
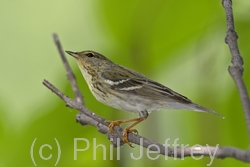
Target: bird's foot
112 124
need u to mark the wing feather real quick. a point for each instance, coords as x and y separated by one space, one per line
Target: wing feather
128 81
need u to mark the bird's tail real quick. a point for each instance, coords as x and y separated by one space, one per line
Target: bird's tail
199 108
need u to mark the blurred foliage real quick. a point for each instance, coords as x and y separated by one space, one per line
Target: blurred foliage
179 44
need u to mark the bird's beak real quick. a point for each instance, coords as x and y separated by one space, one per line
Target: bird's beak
74 54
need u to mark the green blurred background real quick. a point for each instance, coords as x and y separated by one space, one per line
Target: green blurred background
177 43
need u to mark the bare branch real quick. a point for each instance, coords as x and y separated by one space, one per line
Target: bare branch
70 74
86 117
95 120
236 70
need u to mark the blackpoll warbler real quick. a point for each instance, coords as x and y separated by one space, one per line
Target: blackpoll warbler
128 90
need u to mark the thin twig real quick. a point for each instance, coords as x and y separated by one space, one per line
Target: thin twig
70 74
86 116
236 70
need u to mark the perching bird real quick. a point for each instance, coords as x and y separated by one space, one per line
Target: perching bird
128 90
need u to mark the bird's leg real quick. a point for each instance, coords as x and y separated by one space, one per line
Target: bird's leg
143 116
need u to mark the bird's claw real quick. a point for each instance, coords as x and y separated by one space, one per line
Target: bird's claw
112 124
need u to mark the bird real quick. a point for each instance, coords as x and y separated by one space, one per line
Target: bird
125 89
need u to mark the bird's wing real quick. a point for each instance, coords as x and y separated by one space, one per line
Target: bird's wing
130 81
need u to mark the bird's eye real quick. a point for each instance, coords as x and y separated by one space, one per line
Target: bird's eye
90 55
